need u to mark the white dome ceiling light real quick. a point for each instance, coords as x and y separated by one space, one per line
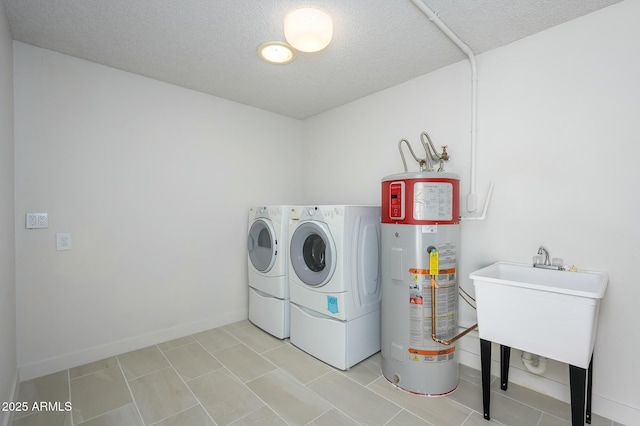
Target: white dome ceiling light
276 52
308 29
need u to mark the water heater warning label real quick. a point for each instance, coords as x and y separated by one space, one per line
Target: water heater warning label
433 201
421 345
432 355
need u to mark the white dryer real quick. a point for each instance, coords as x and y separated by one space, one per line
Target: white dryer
334 282
268 270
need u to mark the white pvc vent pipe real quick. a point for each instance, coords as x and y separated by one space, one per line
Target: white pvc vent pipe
471 198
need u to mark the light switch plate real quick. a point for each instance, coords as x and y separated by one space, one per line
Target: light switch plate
63 241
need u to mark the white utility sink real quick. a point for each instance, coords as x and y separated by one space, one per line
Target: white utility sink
546 312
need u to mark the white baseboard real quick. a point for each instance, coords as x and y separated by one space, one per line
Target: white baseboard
556 387
63 362
7 419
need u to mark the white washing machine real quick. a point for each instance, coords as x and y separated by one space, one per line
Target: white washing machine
334 282
268 269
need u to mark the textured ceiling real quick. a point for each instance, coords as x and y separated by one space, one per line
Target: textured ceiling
210 45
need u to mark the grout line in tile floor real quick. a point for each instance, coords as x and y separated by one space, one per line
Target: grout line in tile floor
69 390
229 371
182 378
128 387
184 385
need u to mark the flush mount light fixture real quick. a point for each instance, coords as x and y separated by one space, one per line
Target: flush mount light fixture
308 29
276 52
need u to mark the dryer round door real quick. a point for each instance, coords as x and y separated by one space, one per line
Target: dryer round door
262 245
313 253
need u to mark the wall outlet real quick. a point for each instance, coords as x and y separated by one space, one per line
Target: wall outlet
63 241
36 220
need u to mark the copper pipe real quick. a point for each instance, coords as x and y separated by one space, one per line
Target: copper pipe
433 319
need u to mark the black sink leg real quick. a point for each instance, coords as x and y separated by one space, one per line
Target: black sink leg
505 355
589 388
485 362
577 379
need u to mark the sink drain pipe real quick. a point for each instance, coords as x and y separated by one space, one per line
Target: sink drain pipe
536 364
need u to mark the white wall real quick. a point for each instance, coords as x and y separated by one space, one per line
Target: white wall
154 183
8 366
558 134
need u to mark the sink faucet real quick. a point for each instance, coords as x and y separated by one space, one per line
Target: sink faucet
544 251
557 266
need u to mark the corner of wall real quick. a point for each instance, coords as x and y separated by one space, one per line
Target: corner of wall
7 419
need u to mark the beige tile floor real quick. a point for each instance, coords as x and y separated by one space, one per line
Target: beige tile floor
239 375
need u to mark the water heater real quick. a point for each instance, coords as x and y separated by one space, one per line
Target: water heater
420 245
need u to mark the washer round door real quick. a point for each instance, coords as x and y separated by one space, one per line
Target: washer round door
313 253
262 245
